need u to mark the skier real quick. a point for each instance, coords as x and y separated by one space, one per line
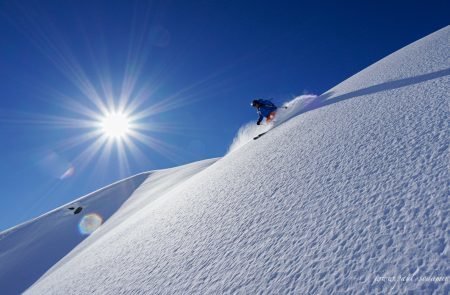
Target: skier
264 108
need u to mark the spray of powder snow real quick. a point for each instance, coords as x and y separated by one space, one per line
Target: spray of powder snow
288 110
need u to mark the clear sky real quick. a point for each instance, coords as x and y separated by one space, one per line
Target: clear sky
183 71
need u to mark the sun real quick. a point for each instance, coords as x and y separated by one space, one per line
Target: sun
115 125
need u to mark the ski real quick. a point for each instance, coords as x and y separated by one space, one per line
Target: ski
259 135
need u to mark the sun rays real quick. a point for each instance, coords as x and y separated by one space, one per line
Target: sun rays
112 101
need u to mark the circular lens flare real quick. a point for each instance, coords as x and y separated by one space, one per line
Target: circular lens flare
89 223
115 125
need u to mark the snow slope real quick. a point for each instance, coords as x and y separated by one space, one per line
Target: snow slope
27 251
349 196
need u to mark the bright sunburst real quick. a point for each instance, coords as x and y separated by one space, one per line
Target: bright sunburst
115 107
115 125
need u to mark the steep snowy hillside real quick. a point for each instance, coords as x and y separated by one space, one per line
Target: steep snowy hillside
27 251
350 196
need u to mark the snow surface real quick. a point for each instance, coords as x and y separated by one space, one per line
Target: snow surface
27 251
349 196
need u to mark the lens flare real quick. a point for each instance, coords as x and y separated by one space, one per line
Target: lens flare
89 223
69 172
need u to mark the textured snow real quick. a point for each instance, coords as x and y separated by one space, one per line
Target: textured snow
27 251
349 196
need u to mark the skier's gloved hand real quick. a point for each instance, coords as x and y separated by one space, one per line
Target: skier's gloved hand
258 123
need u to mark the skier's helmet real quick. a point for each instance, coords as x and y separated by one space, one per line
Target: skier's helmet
254 103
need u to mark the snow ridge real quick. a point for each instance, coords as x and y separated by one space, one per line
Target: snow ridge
28 250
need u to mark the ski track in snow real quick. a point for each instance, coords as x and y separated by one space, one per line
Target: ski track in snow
352 192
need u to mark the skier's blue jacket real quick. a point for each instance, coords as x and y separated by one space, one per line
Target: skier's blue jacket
265 108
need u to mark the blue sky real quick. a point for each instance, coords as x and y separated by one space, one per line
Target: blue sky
193 66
